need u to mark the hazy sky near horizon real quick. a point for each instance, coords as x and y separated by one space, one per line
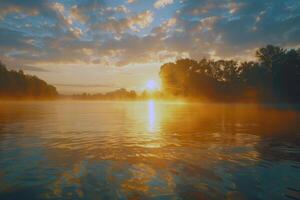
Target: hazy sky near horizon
101 45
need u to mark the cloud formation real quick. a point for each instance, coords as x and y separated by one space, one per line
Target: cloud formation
135 23
162 3
131 1
105 34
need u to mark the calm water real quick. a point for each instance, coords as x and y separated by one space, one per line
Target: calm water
149 150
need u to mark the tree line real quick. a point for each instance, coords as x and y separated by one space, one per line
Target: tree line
16 84
273 77
119 94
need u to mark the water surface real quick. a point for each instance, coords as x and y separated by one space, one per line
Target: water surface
148 150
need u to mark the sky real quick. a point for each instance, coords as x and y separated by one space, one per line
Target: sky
101 45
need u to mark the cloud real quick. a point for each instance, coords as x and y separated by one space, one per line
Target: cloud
219 29
66 21
34 32
134 23
13 40
30 7
29 68
47 9
117 9
162 3
131 1
77 14
87 10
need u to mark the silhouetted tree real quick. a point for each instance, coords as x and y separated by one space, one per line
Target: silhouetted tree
274 77
17 84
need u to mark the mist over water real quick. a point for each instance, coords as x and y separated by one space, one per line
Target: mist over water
148 150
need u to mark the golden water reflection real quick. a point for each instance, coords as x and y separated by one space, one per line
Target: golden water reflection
142 150
151 114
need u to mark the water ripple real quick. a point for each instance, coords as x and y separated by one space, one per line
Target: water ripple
105 150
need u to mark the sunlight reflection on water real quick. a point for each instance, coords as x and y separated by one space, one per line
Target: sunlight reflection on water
151 113
142 150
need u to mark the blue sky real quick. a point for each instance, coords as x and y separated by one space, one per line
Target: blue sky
100 45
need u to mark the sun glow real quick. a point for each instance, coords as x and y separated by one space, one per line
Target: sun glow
152 85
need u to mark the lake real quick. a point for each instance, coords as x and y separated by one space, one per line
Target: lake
148 150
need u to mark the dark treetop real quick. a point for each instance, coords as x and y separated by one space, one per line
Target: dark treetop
16 84
274 77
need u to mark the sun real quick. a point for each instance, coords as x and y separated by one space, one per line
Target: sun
152 85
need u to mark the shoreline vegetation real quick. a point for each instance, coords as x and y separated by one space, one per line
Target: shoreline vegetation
17 85
273 78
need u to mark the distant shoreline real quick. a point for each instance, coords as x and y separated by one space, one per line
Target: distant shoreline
174 100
